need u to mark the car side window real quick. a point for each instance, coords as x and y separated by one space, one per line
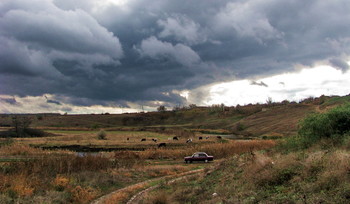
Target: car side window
202 155
196 155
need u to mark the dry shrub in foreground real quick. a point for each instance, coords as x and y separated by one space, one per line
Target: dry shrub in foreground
83 195
319 171
159 197
22 186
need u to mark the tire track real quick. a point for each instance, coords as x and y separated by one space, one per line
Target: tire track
135 198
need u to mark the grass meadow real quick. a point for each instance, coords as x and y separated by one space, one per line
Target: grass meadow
30 174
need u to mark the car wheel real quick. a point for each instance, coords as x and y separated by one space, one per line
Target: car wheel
206 161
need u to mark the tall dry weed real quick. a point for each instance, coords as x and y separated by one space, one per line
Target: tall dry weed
60 182
83 194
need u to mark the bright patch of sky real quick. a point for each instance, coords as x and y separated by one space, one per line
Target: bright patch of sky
312 82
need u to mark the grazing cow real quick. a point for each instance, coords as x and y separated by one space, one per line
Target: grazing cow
219 137
189 140
206 137
200 138
127 139
162 145
154 140
175 138
143 139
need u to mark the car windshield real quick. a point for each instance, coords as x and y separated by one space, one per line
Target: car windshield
199 155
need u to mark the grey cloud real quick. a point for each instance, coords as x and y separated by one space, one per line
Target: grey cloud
52 101
50 27
154 48
182 28
339 63
261 83
247 19
34 34
17 58
77 50
8 100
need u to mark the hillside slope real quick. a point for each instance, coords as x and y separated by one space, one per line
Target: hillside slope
274 119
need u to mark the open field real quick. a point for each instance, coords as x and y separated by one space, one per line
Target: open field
62 176
246 121
48 169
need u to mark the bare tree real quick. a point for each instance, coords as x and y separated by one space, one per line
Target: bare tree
21 124
161 109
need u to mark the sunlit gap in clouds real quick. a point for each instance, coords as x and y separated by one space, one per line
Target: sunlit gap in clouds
307 82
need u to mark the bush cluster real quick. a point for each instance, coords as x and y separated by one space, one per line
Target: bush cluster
333 125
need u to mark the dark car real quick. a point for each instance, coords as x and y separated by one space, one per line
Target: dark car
199 156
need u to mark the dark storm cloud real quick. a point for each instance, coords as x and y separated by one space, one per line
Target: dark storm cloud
94 52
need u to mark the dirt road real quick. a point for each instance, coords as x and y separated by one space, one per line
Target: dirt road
134 199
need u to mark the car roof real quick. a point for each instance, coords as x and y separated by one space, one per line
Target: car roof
200 153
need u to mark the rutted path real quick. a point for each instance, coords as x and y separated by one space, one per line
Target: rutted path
137 196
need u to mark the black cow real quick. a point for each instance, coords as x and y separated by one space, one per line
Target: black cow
127 139
219 137
162 145
200 138
143 139
154 140
175 138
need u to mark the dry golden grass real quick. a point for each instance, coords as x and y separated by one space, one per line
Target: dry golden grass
52 170
113 138
218 150
159 197
19 149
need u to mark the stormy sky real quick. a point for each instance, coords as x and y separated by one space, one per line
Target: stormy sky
87 56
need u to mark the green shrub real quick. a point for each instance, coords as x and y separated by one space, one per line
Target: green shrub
333 125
